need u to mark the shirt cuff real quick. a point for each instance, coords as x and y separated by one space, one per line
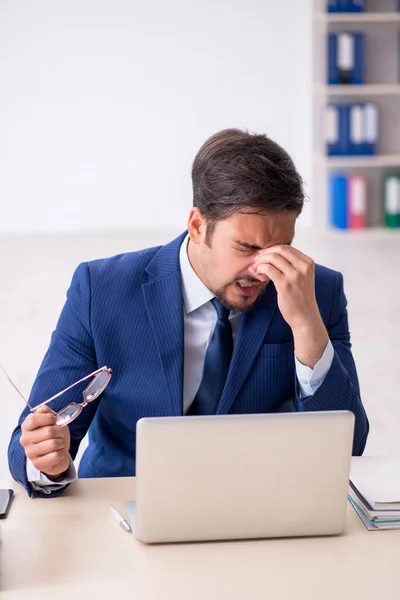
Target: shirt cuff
41 483
311 379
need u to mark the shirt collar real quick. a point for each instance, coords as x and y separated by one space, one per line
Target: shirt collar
195 293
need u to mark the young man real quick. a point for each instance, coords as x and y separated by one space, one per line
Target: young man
227 318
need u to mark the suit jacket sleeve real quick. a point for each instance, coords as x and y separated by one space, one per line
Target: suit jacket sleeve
340 389
70 356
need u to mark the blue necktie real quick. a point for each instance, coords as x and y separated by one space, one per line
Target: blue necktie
216 364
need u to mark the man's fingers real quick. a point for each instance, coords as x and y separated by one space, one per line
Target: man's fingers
259 276
36 420
276 260
46 448
44 409
293 256
41 434
45 443
271 272
54 462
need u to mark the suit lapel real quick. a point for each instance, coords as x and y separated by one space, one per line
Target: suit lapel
164 306
253 327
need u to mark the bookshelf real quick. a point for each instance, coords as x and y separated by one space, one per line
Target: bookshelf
360 91
382 75
359 18
363 162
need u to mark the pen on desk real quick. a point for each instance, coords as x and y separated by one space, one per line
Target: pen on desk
119 518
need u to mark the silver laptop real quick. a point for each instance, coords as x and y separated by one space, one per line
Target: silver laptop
241 476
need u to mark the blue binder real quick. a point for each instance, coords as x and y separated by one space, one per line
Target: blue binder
357 76
345 57
332 130
344 130
370 123
346 53
353 5
333 71
357 129
334 6
338 201
338 142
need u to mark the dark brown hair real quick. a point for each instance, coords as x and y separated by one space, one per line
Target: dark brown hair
236 171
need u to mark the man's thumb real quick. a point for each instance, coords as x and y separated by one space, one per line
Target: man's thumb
45 409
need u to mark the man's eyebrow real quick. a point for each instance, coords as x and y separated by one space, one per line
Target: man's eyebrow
247 245
255 246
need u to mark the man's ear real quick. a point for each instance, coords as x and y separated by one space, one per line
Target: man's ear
197 225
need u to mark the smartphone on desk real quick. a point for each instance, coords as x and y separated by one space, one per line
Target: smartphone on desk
6 497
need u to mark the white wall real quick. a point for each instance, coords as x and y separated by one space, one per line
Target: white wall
104 103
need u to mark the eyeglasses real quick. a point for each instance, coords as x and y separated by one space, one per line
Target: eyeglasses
100 379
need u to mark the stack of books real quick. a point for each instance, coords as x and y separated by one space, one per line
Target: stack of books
374 491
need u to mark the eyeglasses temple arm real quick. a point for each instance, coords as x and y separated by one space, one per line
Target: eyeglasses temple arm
15 387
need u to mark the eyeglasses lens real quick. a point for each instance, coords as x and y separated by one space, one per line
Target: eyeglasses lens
97 386
68 414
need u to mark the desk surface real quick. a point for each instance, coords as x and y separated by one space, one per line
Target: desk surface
70 546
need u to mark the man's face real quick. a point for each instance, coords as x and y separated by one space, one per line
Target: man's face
222 264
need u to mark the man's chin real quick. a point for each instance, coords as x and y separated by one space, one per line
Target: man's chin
245 303
235 301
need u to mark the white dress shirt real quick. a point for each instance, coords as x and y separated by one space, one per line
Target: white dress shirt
199 320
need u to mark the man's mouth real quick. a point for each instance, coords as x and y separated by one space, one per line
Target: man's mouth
248 288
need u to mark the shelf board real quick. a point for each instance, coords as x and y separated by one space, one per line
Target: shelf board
366 17
362 162
376 89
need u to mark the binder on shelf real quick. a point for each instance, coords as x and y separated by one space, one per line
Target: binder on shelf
344 130
331 127
333 71
359 53
345 57
334 6
345 54
345 6
356 130
352 129
338 201
353 5
357 202
398 53
391 201
370 127
337 129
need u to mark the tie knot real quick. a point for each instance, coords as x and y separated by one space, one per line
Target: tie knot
222 311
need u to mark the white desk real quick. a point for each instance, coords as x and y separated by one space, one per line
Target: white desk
70 547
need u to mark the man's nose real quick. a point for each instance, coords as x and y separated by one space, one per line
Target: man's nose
258 276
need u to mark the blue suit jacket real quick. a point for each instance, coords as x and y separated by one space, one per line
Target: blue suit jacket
126 312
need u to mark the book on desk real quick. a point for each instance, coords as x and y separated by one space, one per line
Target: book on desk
374 491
